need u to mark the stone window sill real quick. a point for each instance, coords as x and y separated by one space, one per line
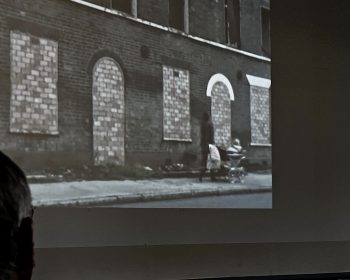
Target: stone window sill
177 140
21 131
260 145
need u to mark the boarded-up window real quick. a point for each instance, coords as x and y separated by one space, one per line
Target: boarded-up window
104 3
232 21
122 5
34 105
265 29
176 102
176 14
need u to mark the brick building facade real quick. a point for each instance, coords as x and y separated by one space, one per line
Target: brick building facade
124 82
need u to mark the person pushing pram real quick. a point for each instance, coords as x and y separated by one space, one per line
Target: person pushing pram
215 158
228 161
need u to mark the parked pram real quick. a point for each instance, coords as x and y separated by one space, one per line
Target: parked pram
229 163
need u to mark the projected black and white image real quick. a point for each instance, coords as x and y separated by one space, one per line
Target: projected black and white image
139 103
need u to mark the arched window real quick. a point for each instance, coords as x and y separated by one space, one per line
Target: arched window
108 112
221 92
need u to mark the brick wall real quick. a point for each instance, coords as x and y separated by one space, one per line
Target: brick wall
33 84
207 19
176 108
81 33
221 114
108 113
260 115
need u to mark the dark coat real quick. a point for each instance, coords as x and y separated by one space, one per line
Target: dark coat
207 134
16 233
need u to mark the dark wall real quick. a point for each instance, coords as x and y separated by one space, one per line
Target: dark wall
194 261
207 19
81 33
251 25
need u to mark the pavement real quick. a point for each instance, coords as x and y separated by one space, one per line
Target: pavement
97 193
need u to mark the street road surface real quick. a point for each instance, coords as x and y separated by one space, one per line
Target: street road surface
256 200
104 193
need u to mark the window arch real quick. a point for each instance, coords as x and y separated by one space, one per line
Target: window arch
220 78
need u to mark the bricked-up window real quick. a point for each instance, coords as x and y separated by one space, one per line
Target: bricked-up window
232 23
177 14
34 105
221 114
176 104
265 31
220 90
108 112
122 5
260 110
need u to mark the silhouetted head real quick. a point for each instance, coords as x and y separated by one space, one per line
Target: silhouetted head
15 197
